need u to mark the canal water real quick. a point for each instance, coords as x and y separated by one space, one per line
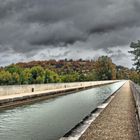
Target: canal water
51 119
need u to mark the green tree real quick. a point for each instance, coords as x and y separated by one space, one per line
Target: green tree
5 78
26 76
72 77
51 77
13 69
82 77
37 75
15 79
136 53
105 69
135 76
16 72
122 72
92 76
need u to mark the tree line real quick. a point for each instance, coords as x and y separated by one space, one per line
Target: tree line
65 71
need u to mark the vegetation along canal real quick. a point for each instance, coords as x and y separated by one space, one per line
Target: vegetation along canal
51 119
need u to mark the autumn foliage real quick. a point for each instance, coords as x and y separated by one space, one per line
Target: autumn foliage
52 71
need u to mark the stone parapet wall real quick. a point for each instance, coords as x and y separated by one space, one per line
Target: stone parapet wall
18 89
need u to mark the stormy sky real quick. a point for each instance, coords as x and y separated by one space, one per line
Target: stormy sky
59 29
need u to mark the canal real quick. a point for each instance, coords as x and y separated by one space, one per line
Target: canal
51 119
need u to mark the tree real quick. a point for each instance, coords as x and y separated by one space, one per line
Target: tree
13 69
105 69
122 72
37 75
26 76
82 77
92 76
135 76
136 53
15 79
51 77
16 72
72 77
5 78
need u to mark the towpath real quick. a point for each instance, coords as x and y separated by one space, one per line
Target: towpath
117 121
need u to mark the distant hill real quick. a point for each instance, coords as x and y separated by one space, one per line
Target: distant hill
65 66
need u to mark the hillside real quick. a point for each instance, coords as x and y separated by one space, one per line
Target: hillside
52 71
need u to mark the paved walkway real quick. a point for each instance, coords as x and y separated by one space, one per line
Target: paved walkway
117 121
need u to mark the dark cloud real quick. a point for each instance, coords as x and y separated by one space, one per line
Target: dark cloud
58 34
29 26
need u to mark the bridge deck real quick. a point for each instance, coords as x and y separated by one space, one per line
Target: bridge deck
117 121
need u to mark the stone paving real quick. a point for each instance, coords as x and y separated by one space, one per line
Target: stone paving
117 121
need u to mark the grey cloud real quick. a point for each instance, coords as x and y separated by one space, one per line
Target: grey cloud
60 55
29 26
119 55
121 58
57 34
10 8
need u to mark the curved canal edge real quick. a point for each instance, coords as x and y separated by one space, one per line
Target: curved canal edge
78 130
28 98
